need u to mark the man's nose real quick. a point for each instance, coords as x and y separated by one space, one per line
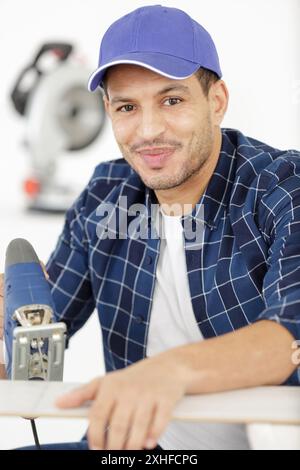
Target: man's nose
151 124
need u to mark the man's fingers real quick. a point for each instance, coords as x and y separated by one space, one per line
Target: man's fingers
119 425
99 418
78 396
139 428
161 419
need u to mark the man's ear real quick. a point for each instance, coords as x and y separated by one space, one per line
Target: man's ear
106 104
219 98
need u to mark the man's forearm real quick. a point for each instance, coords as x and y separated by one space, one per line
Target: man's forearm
259 354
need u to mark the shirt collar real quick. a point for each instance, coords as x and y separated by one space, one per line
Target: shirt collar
217 194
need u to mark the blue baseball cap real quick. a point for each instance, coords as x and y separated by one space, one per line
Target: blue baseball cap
165 40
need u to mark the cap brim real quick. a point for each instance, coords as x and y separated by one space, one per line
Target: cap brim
163 64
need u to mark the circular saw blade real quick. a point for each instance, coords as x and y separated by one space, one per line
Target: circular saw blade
80 115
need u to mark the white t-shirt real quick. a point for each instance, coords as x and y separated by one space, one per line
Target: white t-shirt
172 324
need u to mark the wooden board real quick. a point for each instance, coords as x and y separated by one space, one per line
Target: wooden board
277 405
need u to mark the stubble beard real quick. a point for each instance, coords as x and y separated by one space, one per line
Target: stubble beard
198 152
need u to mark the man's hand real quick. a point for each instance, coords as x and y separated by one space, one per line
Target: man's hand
131 407
136 403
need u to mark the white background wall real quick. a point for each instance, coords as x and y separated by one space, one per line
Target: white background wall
258 43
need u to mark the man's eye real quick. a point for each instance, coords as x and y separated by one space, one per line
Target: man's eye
126 108
172 101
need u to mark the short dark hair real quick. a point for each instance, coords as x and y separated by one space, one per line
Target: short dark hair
205 77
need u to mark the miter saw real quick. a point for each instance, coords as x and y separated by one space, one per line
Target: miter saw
61 116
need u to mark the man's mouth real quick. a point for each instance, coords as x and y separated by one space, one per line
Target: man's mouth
156 157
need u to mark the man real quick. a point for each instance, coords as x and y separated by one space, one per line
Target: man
202 294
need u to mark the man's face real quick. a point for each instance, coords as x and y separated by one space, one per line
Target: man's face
164 128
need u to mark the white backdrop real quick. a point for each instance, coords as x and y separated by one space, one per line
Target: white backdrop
258 44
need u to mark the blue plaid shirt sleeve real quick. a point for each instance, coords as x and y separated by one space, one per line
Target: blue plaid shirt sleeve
279 219
68 270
